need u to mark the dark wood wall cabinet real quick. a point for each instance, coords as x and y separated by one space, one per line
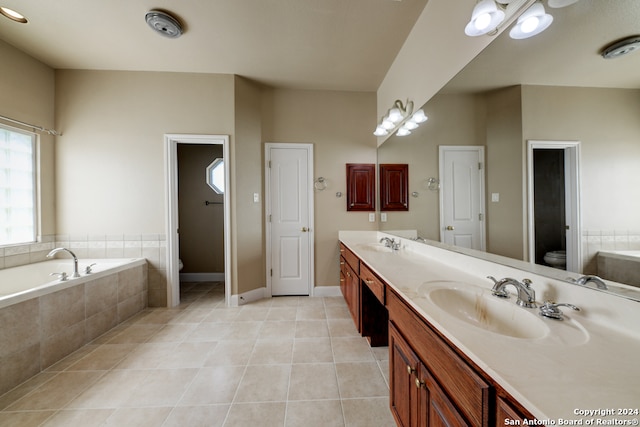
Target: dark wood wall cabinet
394 187
431 382
361 185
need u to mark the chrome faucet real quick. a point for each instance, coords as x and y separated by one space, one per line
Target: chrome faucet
550 309
390 243
526 294
590 278
75 259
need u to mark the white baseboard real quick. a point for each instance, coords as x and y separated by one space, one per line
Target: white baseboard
202 277
327 291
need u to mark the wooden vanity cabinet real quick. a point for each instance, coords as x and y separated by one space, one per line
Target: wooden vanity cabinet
374 318
448 391
350 282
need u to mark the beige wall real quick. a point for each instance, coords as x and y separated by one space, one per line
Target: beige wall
27 93
606 122
506 219
340 126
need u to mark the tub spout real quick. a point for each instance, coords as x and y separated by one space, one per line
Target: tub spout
75 259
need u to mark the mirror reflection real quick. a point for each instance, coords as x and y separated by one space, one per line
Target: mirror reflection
558 126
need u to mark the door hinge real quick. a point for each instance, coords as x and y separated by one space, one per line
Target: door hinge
269 164
271 272
480 216
269 217
479 165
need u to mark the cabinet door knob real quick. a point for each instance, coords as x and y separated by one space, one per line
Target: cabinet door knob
410 370
419 384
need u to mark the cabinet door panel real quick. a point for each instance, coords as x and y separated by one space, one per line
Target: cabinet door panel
394 187
403 365
441 411
361 187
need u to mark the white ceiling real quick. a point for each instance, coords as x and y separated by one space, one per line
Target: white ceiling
566 54
309 44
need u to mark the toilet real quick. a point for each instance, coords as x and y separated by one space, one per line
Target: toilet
556 259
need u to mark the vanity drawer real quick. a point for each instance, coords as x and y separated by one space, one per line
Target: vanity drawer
351 259
372 282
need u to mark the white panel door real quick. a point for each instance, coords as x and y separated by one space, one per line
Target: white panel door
289 219
462 196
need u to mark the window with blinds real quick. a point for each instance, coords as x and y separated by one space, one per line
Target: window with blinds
17 186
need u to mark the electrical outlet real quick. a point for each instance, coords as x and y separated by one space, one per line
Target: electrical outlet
372 217
383 217
256 197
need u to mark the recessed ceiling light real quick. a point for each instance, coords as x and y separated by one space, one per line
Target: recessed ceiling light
13 15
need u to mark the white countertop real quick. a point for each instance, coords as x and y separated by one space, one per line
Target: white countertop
588 362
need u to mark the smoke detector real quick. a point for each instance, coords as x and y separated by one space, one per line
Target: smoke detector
621 47
163 23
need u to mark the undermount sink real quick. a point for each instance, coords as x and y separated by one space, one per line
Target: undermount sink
478 307
376 247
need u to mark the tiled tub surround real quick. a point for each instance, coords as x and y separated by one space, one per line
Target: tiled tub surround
620 266
594 241
43 325
552 375
152 247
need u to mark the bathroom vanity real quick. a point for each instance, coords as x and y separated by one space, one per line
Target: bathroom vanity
458 355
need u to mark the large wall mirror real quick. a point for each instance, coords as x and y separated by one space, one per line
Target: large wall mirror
553 88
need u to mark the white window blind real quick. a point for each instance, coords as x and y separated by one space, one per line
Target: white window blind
17 187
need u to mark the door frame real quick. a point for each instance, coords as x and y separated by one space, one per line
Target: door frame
267 210
171 209
481 169
572 199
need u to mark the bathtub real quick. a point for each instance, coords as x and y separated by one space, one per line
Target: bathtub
620 266
43 319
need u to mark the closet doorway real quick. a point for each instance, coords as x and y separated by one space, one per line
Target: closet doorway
190 148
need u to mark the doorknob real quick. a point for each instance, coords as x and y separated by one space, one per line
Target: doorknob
450 227
304 229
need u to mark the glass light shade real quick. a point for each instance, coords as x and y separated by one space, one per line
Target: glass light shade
419 116
561 3
395 115
387 124
13 15
403 132
485 18
380 131
533 21
411 125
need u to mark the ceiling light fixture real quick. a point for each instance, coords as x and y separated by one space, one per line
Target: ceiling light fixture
532 22
163 23
400 119
13 15
622 47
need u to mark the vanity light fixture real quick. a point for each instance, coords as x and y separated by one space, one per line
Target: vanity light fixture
13 15
400 119
489 15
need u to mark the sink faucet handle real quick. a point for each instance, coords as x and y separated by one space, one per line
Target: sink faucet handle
527 282
62 276
87 269
550 309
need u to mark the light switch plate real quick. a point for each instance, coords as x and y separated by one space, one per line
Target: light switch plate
256 197
495 197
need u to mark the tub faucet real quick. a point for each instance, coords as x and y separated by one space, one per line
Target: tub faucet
526 294
75 259
590 278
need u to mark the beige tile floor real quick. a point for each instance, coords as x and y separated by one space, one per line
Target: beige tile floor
287 361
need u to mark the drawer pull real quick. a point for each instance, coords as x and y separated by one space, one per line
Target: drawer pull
369 282
419 384
410 370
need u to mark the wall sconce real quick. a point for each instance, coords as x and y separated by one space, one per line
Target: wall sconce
400 119
488 15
